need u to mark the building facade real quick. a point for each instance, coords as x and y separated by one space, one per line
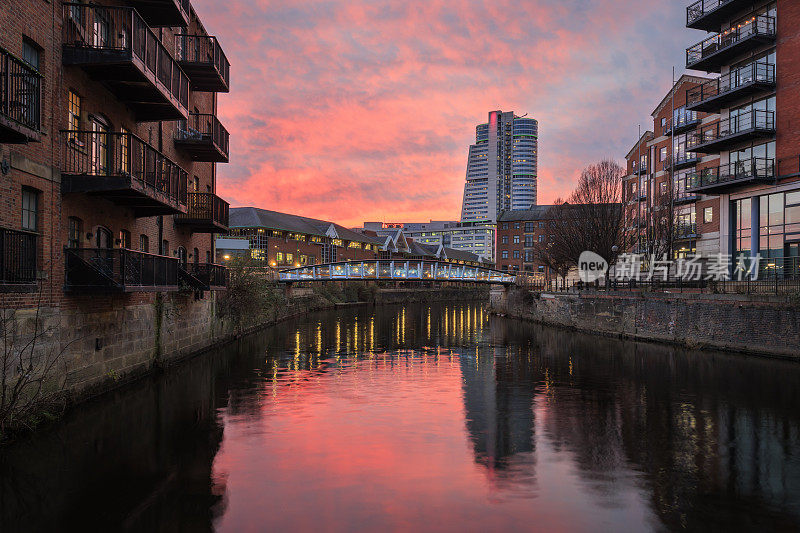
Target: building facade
501 167
754 48
473 237
657 195
521 234
109 141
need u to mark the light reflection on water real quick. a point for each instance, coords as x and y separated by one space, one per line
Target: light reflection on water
428 417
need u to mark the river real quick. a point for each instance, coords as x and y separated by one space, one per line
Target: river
430 417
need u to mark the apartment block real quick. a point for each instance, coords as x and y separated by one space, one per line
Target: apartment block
521 235
752 52
109 144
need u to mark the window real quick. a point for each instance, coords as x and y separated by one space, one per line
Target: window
30 209
124 150
708 215
516 254
165 247
30 53
75 232
124 238
541 238
74 112
144 243
505 239
530 240
289 258
196 184
542 224
505 225
100 140
103 239
516 225
663 121
662 187
279 257
529 227
516 239
663 154
505 254
181 255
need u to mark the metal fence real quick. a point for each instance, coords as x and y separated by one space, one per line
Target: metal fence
203 49
18 253
204 127
20 91
119 268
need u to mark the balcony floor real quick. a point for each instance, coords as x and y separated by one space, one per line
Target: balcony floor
123 191
12 132
204 77
728 185
724 143
712 20
724 55
202 225
158 13
715 103
127 78
204 150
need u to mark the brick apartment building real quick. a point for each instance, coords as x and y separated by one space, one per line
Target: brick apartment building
109 141
660 167
745 180
520 233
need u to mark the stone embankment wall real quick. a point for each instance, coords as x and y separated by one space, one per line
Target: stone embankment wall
766 325
106 342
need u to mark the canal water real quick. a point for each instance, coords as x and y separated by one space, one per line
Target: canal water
424 418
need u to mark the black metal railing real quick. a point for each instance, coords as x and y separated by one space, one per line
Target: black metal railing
205 206
119 268
18 253
759 25
106 28
204 127
682 159
203 50
758 168
759 71
703 7
753 120
209 274
117 154
20 91
683 120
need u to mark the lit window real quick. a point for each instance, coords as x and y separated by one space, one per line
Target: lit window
74 111
708 215
75 232
30 209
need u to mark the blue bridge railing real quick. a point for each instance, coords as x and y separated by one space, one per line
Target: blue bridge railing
397 271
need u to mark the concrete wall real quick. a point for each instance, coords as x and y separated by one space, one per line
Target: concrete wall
760 325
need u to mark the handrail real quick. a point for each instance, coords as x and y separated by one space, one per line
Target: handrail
204 126
761 24
755 168
205 49
123 29
20 91
755 119
758 71
115 154
206 206
701 8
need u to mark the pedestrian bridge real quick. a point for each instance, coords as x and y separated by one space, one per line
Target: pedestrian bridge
396 271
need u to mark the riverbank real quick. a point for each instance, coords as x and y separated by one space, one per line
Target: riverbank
96 348
752 324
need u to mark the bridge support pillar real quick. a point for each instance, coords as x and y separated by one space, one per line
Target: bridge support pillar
498 297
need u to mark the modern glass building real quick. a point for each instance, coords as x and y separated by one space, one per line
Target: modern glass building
501 167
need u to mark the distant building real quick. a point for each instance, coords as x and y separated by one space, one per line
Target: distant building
501 167
473 237
520 236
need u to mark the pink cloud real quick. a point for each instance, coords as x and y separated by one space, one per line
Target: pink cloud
360 110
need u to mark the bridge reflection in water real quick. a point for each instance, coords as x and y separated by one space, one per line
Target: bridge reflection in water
398 271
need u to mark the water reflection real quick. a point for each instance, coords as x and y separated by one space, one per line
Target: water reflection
427 417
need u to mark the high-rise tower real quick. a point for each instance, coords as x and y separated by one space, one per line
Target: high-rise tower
501 167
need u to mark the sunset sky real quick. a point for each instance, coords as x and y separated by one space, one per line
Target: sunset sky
359 110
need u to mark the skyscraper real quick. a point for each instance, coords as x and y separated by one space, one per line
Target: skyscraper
501 167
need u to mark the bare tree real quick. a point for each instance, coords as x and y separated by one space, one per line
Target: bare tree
32 369
661 228
557 252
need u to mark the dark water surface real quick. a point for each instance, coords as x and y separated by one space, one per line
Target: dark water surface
424 418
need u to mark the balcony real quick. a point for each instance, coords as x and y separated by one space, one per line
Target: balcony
124 169
686 231
206 213
18 252
723 135
203 276
684 160
739 83
638 171
114 45
733 175
683 122
20 100
709 15
203 60
118 270
162 13
203 137
713 53
683 197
